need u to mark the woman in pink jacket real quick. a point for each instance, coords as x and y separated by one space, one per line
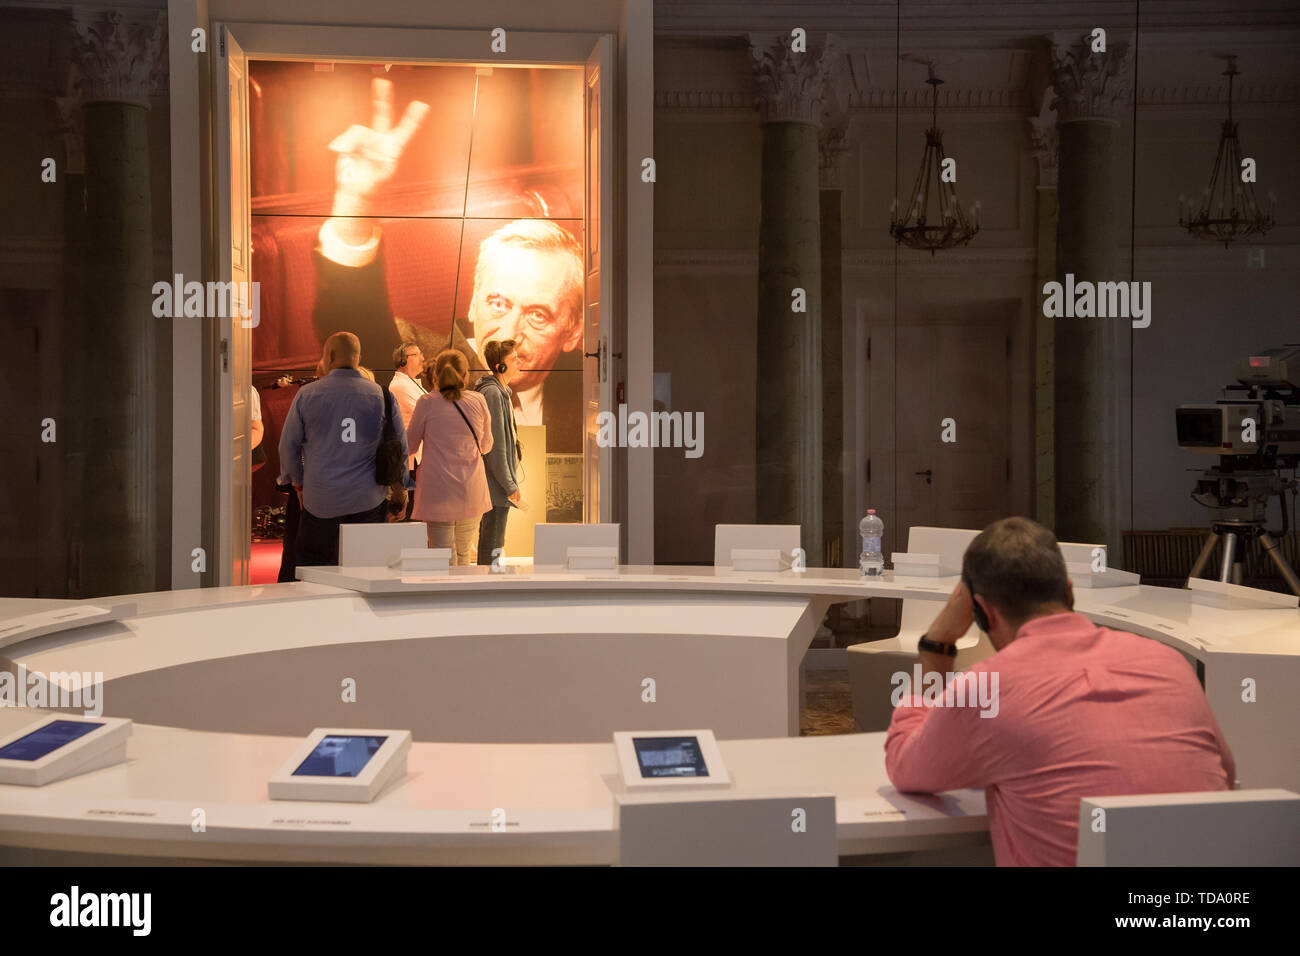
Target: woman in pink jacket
455 428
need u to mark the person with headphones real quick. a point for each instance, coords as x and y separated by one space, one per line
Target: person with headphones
502 461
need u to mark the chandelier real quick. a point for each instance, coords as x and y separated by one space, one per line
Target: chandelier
916 229
1228 209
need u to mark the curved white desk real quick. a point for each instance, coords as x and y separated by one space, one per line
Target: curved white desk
558 801
500 662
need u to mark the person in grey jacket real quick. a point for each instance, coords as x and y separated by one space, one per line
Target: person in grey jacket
502 461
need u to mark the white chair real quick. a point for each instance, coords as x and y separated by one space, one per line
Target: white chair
729 537
726 829
871 664
552 541
1218 828
371 545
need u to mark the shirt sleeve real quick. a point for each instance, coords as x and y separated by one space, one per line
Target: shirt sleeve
497 463
395 413
292 438
932 748
419 415
485 425
255 403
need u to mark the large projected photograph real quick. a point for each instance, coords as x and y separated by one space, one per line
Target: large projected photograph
433 204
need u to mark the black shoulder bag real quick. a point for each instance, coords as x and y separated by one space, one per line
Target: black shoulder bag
388 456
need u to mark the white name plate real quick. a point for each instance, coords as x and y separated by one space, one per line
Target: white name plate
592 559
915 565
436 560
1083 576
757 559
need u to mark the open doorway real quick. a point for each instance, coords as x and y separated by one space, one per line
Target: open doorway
496 158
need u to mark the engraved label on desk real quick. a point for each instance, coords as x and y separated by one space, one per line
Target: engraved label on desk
434 580
307 822
121 813
884 813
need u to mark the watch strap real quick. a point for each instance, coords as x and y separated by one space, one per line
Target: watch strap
934 647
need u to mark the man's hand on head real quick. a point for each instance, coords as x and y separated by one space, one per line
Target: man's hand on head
955 618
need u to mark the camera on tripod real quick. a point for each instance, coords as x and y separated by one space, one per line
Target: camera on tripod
1256 436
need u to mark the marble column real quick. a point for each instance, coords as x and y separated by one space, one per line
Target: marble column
1090 88
72 175
109 395
832 143
788 439
1046 150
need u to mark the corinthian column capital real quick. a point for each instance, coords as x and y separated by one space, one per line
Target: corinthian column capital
117 57
1088 85
791 85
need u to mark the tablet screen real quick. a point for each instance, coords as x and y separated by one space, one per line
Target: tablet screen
339 756
670 757
46 740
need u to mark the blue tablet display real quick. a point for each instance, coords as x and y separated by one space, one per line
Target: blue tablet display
670 757
46 740
339 756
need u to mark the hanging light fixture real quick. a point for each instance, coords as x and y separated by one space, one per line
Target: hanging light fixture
916 229
1228 209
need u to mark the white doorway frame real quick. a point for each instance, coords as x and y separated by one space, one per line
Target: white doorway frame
268 41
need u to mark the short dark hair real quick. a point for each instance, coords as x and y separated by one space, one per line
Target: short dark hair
1016 565
496 351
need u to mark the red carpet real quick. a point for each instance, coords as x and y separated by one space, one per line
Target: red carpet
264 562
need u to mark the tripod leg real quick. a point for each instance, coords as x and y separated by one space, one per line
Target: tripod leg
1229 556
1272 550
1204 558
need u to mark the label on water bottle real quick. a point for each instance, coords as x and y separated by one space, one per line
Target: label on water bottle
871 545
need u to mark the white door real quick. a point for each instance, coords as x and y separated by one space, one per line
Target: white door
233 374
598 236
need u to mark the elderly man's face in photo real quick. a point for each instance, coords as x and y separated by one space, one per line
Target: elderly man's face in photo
521 296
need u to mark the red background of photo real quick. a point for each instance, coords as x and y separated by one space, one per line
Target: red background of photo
492 148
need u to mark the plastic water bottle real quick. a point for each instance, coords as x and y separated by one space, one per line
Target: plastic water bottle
871 561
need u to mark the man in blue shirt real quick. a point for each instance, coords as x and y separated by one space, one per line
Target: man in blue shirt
327 451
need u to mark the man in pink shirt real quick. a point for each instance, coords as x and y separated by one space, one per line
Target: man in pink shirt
1063 710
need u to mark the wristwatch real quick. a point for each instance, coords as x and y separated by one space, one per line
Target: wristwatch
934 647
